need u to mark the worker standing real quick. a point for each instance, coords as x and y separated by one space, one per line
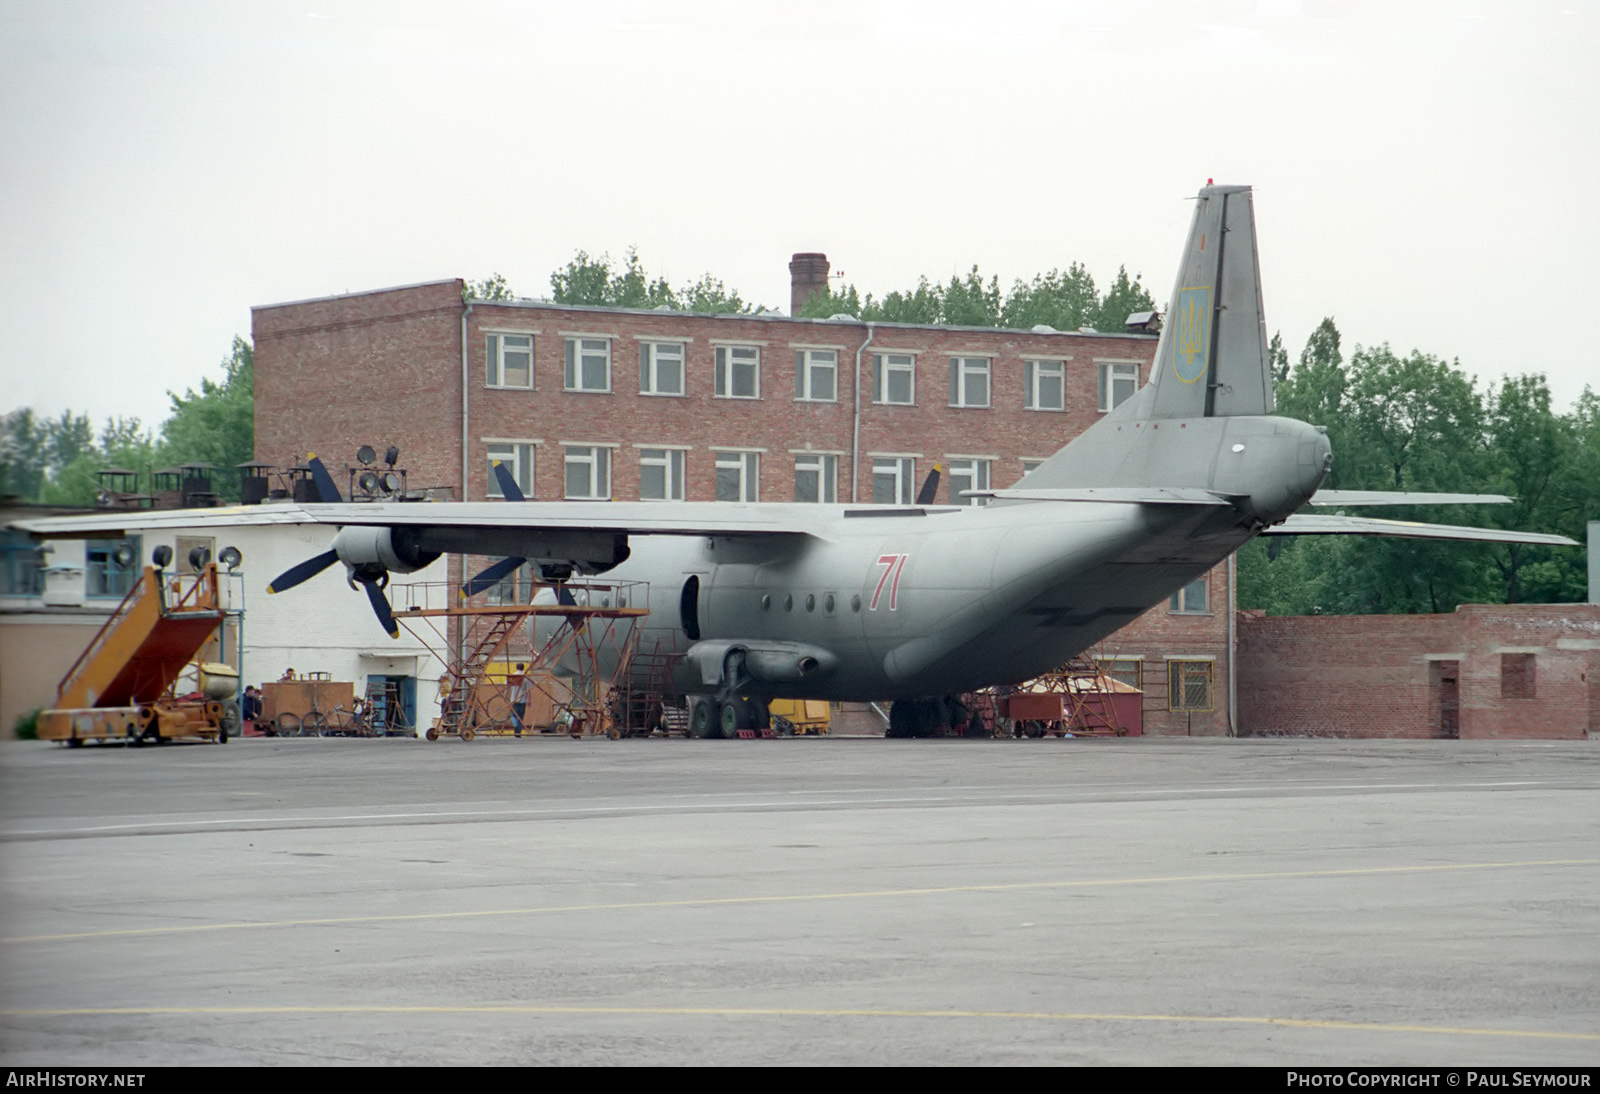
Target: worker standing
521 686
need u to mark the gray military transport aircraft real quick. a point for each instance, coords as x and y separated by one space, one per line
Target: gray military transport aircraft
922 602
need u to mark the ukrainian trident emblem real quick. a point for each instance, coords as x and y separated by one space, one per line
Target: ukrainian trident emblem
1192 338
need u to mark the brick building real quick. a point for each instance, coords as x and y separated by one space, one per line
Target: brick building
593 402
1487 670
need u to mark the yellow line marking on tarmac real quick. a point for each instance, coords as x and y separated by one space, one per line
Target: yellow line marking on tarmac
805 1012
708 902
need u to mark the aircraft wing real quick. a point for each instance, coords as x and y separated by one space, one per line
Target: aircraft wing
1319 524
639 518
1323 498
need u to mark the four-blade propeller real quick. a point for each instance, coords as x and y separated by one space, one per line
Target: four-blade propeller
370 576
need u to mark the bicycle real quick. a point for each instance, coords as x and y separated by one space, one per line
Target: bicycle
340 722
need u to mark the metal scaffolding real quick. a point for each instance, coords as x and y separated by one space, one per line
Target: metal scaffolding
572 665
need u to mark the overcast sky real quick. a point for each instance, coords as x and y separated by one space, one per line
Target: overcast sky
1426 173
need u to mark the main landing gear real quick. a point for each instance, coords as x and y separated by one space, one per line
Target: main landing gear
946 717
714 718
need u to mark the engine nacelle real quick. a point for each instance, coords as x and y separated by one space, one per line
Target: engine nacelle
395 550
722 661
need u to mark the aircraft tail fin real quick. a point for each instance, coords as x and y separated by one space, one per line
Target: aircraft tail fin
1212 358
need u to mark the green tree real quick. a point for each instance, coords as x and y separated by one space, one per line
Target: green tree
1063 300
589 280
968 302
828 303
491 288
1537 453
22 454
216 425
710 295
1124 297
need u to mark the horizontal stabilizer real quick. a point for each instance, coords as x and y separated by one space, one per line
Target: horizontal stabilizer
1323 498
1318 524
1123 495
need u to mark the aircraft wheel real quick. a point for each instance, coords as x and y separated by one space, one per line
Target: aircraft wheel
733 717
900 721
706 718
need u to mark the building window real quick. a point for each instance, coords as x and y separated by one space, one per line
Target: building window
510 360
518 458
894 378
588 472
1118 381
1046 385
968 475
892 479
738 476
1191 599
1124 670
588 364
21 565
969 381
112 565
1518 679
816 478
661 474
738 372
816 375
661 368
1030 466
515 588
1189 685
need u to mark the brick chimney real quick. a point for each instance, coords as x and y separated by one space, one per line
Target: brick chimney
808 275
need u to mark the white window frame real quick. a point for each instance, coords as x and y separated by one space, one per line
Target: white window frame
1193 599
964 370
973 473
1112 375
581 349
517 454
495 349
672 462
652 355
1035 370
730 359
747 463
810 364
597 458
894 364
825 466
900 474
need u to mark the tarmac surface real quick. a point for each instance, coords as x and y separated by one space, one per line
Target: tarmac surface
803 901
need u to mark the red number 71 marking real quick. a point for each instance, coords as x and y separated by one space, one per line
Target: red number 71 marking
892 565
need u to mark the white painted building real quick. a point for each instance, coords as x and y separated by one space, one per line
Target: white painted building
54 599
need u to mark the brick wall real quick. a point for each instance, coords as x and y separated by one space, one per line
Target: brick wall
1372 676
371 368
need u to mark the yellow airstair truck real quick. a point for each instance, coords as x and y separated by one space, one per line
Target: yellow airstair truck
123 686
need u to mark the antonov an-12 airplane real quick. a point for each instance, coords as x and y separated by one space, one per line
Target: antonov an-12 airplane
923 602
